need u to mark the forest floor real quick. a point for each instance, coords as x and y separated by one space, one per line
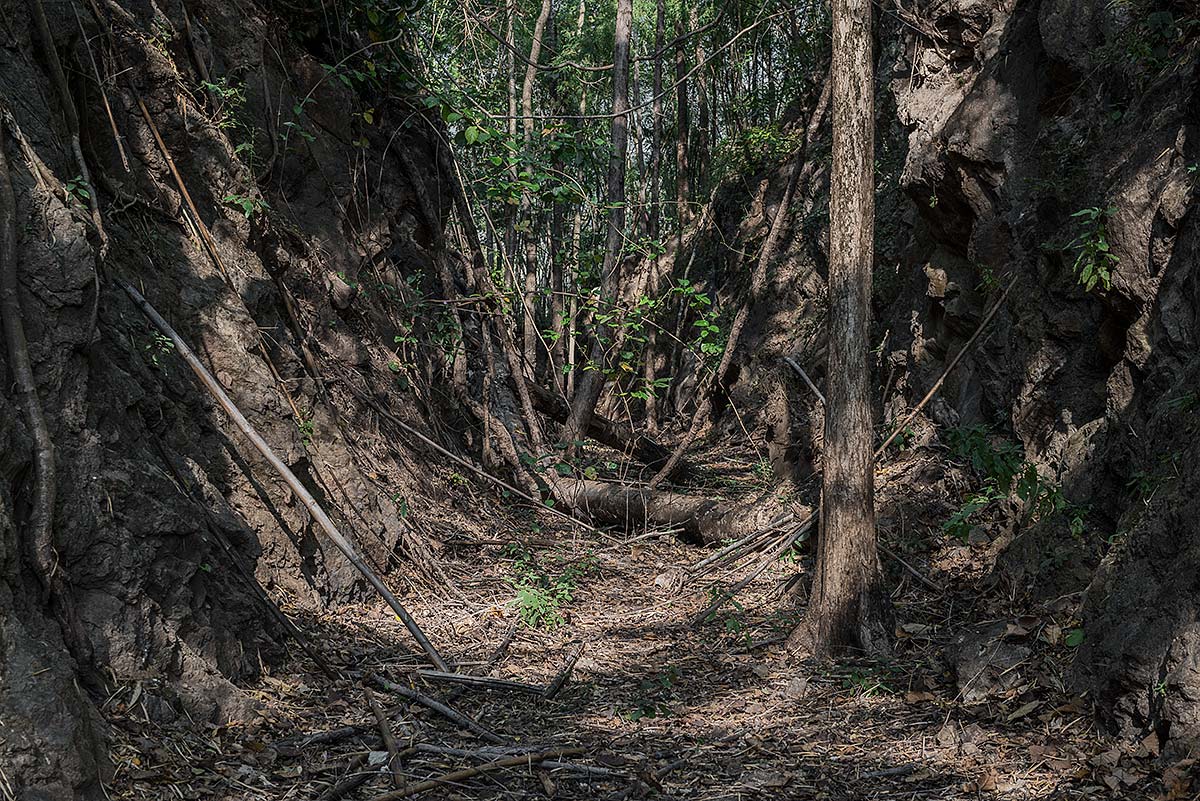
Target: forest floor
657 706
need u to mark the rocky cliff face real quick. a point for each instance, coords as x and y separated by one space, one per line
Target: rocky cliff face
168 525
1013 136
1022 115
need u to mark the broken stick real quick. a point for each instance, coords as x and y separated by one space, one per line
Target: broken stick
448 712
466 773
389 739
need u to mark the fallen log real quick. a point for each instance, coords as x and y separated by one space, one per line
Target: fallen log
701 518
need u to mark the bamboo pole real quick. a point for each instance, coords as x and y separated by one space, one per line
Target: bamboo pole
310 503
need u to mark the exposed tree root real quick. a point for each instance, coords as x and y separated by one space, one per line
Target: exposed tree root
70 114
41 521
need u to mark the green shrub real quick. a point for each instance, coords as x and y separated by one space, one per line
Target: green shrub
1095 262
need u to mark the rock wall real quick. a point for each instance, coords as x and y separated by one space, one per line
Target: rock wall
1000 121
1021 115
166 517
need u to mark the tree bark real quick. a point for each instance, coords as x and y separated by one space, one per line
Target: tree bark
701 83
845 608
592 382
683 126
530 289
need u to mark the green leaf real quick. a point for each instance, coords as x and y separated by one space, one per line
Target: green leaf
1074 638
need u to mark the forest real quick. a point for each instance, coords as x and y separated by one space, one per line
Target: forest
599 399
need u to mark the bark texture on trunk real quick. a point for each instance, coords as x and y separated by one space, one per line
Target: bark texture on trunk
530 330
845 605
592 382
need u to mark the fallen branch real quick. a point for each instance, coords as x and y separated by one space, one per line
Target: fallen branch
295 745
561 679
492 752
481 681
352 782
893 555
310 503
466 773
800 371
389 739
449 713
781 546
739 548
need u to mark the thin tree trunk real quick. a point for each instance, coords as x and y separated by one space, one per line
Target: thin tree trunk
592 382
530 289
845 607
801 170
683 126
650 354
701 84
657 126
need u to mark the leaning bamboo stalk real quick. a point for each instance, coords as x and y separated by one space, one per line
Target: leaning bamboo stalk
310 503
987 318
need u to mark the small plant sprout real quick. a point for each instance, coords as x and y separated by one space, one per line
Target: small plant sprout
79 189
1095 262
247 204
159 345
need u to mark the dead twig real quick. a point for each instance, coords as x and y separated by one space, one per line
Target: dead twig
389 739
466 773
987 318
481 681
491 752
927 582
449 713
355 778
563 675
800 371
294 745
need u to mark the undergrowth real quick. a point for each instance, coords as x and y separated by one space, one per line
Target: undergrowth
543 593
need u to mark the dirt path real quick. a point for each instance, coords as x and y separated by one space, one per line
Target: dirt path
660 708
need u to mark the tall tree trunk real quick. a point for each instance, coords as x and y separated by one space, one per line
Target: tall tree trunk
845 607
530 289
650 356
509 246
700 81
656 129
682 190
592 382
